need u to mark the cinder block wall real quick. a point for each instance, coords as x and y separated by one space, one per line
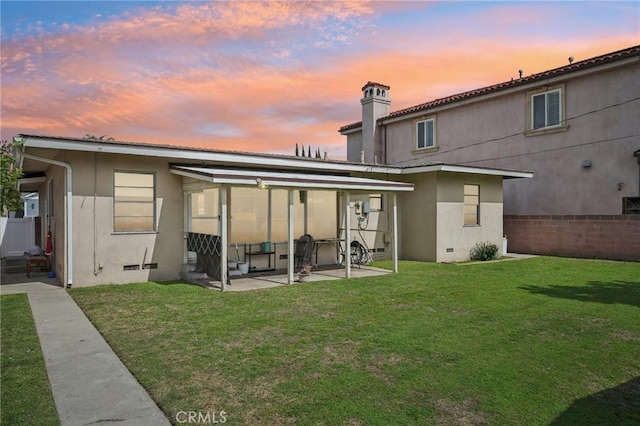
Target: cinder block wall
604 237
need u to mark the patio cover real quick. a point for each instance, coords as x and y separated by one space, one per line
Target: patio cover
291 181
294 180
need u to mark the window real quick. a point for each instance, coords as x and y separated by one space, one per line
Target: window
134 202
375 202
425 134
546 109
471 205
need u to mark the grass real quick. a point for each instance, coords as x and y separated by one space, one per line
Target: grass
26 395
538 341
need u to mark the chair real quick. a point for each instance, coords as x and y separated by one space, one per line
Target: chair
303 250
38 261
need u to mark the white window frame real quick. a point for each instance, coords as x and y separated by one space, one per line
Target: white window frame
465 204
417 133
547 127
153 202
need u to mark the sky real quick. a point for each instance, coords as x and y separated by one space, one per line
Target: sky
265 76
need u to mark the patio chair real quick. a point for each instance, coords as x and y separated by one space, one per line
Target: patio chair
303 253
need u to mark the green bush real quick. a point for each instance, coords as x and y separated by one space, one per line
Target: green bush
484 251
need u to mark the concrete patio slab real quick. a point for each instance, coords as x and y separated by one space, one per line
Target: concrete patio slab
258 282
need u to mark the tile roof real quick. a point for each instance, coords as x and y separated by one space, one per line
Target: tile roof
577 66
373 83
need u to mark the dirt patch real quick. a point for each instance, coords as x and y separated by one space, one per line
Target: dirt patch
626 336
460 413
345 353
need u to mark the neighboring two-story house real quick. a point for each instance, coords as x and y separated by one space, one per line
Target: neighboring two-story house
577 127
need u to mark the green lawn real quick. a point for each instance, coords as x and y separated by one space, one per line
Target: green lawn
25 392
531 342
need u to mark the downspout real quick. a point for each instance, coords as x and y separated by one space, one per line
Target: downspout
637 155
68 217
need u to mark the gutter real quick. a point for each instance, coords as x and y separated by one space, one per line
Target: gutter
68 217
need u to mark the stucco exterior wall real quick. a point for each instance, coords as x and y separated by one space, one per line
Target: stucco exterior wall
560 186
374 231
354 146
99 253
418 218
53 218
455 240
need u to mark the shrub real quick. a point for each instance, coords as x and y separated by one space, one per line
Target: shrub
484 251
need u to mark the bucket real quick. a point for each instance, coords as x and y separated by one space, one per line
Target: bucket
244 267
266 247
232 264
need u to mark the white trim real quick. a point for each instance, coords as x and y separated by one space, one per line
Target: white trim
253 178
424 120
224 252
347 235
27 181
220 157
394 236
466 169
290 238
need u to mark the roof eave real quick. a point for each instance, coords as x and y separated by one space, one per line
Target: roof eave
517 87
452 168
203 156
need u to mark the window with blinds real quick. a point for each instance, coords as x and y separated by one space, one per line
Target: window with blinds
471 205
134 202
546 109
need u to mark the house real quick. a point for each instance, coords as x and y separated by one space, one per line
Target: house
577 127
123 212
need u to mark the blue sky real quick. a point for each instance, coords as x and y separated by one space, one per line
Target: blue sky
263 76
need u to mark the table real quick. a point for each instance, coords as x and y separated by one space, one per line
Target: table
337 242
249 254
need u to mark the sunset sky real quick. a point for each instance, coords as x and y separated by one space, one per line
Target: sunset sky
263 76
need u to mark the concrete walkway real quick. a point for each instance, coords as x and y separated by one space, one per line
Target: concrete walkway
90 385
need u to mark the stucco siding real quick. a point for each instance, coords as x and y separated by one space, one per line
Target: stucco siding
354 146
602 111
100 254
417 224
455 240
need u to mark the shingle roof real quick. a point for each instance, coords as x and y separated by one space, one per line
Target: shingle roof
577 66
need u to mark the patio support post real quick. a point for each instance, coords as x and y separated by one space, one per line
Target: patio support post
394 236
186 196
347 236
290 253
306 213
224 237
269 215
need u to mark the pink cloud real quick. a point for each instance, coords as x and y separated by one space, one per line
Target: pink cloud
235 76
